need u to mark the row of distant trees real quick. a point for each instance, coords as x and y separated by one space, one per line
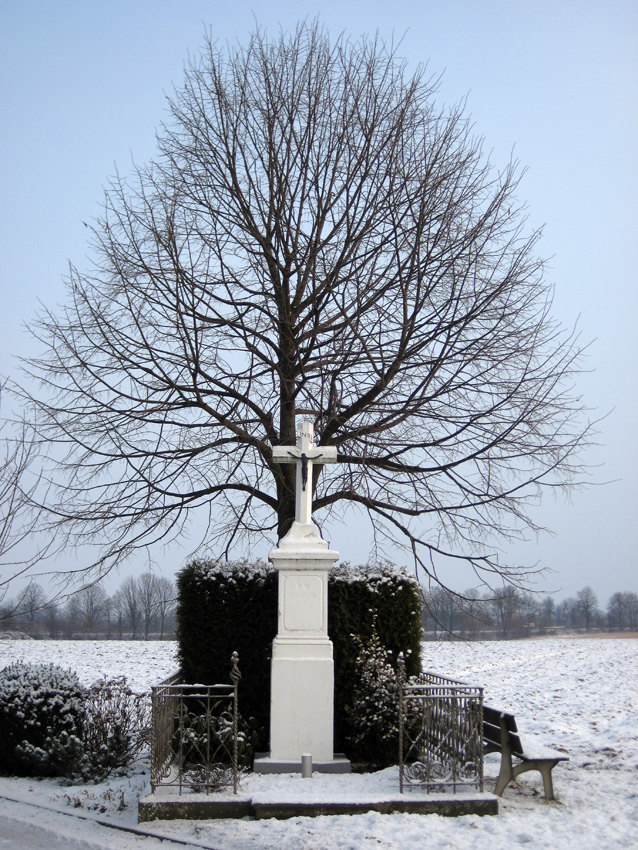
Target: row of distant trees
510 612
143 607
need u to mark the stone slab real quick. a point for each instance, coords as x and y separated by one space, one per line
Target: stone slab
434 805
264 764
261 807
155 807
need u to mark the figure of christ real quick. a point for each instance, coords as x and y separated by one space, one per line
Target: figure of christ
304 455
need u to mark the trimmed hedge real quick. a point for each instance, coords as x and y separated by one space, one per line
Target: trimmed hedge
225 607
232 606
359 598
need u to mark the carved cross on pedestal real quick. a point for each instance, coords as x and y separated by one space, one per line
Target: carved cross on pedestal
304 454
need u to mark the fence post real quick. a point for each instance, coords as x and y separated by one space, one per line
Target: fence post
400 683
235 676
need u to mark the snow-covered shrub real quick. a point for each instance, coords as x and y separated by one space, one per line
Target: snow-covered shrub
50 725
41 719
373 714
116 728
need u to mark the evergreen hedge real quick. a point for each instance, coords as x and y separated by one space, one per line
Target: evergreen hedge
225 607
232 606
360 598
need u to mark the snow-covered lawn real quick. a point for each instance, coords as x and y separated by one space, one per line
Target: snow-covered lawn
580 695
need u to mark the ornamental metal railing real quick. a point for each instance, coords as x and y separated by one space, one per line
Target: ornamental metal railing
195 736
440 733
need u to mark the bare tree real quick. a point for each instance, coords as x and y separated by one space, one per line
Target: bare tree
530 611
147 594
567 612
587 605
473 616
616 611
130 601
547 612
316 237
622 611
631 603
52 618
21 547
166 598
86 607
440 611
107 614
118 607
506 607
8 615
32 600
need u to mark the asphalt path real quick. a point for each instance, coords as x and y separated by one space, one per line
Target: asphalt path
17 835
29 827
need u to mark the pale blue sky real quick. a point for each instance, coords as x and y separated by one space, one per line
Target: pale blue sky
82 88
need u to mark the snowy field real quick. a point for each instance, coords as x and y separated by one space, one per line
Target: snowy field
580 695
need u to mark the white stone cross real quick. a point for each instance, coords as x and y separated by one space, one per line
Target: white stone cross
304 454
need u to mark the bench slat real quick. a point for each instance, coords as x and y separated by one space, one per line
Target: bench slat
492 733
493 717
517 747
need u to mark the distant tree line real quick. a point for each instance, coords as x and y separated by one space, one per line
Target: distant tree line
512 613
142 608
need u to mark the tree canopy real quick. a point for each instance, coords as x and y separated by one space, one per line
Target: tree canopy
317 237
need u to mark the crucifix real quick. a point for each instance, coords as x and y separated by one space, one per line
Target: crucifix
304 455
302 671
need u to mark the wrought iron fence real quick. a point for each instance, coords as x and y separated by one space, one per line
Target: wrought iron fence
440 733
195 736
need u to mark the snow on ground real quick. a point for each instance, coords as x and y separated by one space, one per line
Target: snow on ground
144 663
577 695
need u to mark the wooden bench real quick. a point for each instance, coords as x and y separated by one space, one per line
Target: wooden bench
500 735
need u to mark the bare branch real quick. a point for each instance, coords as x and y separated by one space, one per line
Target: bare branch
316 233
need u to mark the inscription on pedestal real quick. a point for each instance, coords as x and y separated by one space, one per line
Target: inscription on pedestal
303 603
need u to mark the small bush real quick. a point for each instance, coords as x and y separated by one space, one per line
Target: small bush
41 717
373 715
53 726
116 728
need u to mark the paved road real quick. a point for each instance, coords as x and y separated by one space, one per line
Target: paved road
26 827
17 835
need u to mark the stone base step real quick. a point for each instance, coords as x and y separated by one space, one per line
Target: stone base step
201 807
264 764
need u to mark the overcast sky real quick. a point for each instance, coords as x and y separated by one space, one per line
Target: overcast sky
83 87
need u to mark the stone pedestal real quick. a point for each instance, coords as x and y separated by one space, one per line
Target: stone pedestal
302 697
